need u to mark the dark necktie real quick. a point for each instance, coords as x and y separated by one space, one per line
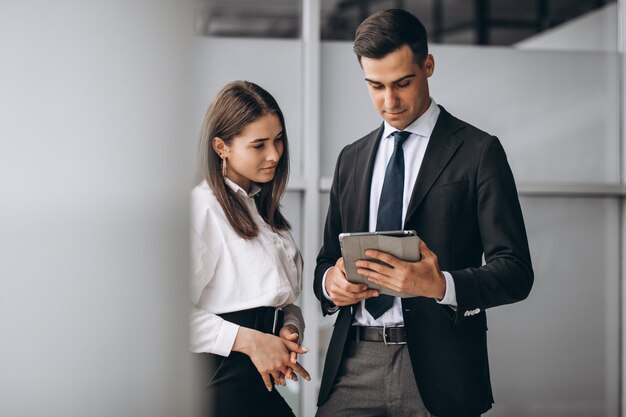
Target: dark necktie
390 211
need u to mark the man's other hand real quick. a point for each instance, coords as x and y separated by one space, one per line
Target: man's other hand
341 291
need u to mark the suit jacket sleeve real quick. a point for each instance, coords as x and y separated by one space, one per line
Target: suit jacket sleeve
507 275
330 251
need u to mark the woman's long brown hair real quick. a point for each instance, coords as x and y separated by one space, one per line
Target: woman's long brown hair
237 105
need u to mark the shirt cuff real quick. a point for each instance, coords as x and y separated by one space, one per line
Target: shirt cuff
225 338
449 298
326 296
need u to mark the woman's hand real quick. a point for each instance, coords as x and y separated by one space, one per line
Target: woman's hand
271 355
290 332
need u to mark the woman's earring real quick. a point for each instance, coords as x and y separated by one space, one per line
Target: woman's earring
223 167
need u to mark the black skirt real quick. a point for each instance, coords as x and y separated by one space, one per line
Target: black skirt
232 386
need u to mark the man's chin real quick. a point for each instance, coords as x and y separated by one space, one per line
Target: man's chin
398 122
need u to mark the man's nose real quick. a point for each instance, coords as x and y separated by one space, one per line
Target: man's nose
391 98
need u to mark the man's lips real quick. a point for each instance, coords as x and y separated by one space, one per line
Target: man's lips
394 113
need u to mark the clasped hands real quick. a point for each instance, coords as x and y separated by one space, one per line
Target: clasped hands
422 278
273 356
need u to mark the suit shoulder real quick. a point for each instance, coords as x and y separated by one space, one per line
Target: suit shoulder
471 135
350 150
470 132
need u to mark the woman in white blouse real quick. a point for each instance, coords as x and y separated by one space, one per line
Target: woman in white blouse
247 268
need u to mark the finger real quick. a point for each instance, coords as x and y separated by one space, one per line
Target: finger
371 293
345 289
392 284
267 381
279 377
293 337
301 371
341 265
424 250
287 330
382 256
368 294
350 287
294 347
337 279
342 298
374 266
372 274
291 375
294 357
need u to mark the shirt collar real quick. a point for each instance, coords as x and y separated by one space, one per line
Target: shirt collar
422 126
254 188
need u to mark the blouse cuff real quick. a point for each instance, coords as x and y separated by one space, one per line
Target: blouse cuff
293 315
225 338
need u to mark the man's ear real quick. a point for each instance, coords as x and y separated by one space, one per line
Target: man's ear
220 148
429 65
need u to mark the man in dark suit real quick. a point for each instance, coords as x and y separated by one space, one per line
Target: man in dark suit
424 170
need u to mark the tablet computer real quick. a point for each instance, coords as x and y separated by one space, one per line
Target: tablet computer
403 244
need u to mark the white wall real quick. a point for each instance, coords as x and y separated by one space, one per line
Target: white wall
557 113
95 170
595 31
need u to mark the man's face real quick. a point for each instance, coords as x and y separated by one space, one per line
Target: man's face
398 86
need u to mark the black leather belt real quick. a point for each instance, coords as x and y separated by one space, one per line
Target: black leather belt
387 335
263 319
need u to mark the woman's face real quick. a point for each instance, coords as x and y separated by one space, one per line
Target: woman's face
253 155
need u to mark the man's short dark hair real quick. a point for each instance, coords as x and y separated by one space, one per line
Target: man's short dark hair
388 30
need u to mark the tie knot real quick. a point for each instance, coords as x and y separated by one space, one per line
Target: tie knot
400 137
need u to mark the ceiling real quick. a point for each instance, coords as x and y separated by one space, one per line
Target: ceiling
483 22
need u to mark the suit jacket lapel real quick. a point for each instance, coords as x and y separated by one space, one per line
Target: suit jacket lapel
441 147
363 170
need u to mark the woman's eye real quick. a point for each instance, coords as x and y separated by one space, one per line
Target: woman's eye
259 146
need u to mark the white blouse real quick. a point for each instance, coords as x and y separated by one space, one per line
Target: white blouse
233 274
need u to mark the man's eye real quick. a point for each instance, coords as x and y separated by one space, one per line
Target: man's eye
376 86
259 146
404 85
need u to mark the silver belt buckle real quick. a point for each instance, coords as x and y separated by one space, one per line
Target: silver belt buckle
277 311
385 337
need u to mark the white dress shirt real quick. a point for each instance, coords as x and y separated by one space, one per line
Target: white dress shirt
233 274
414 148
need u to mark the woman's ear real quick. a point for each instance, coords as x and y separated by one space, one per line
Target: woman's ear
220 148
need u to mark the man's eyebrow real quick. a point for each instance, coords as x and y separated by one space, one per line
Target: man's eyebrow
394 81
